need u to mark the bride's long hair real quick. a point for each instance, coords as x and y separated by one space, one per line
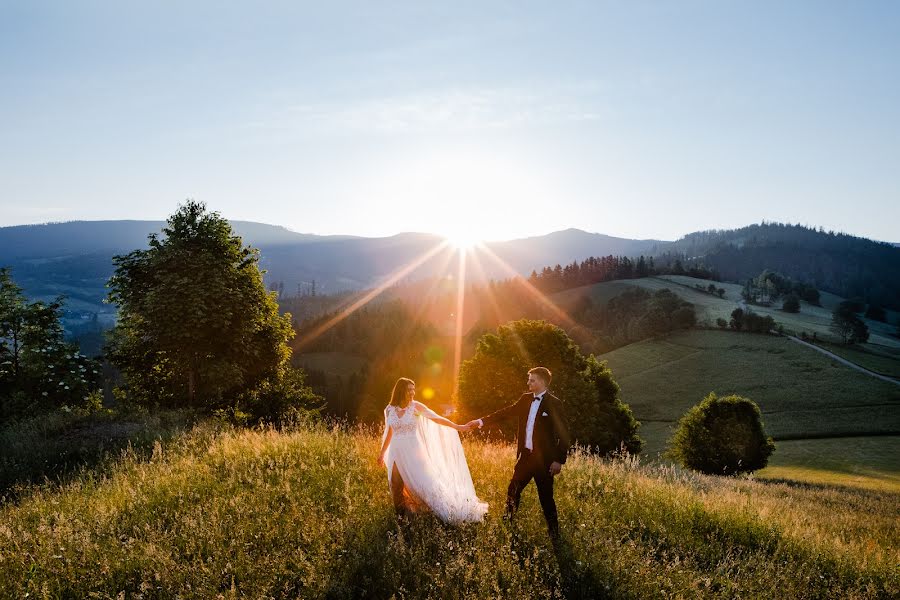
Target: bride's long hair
398 395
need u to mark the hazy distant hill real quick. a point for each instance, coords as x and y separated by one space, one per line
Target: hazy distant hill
563 247
75 238
74 258
835 262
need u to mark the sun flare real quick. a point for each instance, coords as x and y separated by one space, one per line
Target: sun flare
463 240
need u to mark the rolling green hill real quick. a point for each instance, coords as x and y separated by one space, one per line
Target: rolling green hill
801 393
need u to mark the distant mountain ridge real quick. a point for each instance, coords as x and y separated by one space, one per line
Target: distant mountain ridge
75 258
87 237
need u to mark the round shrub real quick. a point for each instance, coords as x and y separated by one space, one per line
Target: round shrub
722 436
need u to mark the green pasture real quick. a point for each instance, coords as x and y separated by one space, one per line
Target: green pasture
801 393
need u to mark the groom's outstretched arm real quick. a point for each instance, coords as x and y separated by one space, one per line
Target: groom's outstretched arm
503 413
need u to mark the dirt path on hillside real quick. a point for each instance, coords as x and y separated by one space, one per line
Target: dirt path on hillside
844 361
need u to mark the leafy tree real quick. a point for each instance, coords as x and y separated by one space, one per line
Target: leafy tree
756 323
768 286
495 377
809 294
847 325
39 370
751 321
637 314
722 436
196 324
684 317
722 323
860 332
641 270
791 304
277 399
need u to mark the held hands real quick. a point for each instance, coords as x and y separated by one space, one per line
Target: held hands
381 459
555 468
468 426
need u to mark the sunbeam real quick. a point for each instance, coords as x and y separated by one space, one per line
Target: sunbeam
460 310
391 280
482 276
428 294
533 291
498 312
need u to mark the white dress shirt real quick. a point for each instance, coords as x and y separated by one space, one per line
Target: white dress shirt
532 416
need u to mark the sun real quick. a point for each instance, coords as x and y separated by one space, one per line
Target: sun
463 240
462 233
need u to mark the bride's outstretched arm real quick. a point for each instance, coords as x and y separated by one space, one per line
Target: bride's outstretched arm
427 412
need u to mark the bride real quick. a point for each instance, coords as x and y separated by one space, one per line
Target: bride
425 461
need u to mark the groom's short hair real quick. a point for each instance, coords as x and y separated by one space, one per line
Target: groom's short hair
543 373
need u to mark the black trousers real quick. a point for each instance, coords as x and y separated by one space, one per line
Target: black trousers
531 466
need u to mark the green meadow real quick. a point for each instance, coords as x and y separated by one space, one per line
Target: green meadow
832 424
223 513
874 357
801 393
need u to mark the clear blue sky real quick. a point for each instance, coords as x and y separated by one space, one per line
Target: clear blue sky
644 119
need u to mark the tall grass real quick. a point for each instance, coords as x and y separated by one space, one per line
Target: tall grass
55 446
306 513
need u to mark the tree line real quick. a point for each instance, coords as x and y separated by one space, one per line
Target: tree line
608 268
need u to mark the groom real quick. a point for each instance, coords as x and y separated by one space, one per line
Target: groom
543 442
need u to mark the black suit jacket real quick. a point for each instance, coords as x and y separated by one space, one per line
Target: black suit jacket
550 437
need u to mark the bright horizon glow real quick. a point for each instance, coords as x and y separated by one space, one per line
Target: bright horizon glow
463 240
467 195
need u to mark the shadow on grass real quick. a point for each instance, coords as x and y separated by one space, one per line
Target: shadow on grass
578 580
360 567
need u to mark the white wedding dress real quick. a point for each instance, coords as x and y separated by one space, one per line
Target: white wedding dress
431 462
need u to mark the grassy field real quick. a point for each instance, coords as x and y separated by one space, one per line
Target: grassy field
880 359
801 393
864 462
57 445
306 513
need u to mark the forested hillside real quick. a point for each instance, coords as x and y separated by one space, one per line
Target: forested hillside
842 264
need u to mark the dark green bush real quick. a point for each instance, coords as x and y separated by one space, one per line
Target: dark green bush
722 436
